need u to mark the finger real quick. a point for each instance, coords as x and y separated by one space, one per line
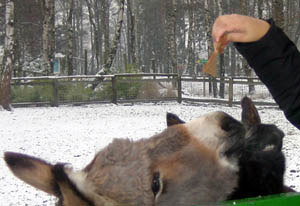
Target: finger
217 34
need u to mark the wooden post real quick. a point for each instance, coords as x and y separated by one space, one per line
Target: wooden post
230 92
85 62
55 93
179 87
153 66
114 90
125 64
204 86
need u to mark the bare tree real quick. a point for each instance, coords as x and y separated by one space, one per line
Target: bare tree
48 8
136 10
70 37
130 33
210 48
105 12
221 56
113 50
191 36
7 63
171 6
278 14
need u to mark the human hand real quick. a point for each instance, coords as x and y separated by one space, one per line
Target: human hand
238 28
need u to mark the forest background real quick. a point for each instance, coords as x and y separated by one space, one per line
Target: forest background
118 36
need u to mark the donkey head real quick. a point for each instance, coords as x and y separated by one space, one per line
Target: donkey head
259 137
187 163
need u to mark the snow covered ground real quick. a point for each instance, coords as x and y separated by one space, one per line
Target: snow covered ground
75 134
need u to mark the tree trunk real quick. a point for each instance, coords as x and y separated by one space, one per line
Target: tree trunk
130 33
278 14
260 9
7 64
171 6
137 32
191 34
48 35
79 16
94 33
210 47
70 38
105 22
245 66
221 58
113 51
233 61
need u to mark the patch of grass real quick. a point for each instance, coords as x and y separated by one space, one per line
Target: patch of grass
32 93
74 92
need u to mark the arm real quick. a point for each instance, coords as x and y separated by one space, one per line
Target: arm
272 55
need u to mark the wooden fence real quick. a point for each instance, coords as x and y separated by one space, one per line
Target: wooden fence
118 88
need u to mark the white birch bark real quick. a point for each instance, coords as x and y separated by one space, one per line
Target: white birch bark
48 35
171 32
191 35
278 13
7 63
115 43
70 38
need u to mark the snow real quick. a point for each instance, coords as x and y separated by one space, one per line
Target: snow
75 134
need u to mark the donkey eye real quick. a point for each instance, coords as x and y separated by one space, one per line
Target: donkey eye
156 184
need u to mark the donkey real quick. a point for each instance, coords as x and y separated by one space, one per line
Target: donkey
198 162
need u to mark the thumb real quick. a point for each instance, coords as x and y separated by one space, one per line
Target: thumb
221 44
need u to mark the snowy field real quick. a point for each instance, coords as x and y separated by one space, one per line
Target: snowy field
75 134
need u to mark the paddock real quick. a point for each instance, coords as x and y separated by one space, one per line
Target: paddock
75 134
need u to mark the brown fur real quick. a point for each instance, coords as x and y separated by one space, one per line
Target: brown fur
190 170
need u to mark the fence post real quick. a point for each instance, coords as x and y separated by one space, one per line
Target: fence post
85 62
153 67
204 86
55 93
114 89
230 92
179 87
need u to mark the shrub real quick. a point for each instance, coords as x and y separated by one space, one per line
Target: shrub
74 92
32 93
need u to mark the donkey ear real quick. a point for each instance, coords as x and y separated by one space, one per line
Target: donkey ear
33 171
173 119
250 116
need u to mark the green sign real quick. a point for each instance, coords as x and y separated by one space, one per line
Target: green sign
202 61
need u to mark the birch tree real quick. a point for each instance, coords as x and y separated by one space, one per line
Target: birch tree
70 38
130 33
105 5
136 10
221 56
171 6
115 43
278 14
210 48
7 62
48 9
191 35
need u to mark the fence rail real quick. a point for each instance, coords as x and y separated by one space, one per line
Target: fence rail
131 88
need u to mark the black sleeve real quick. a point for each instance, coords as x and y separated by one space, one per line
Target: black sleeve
276 61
